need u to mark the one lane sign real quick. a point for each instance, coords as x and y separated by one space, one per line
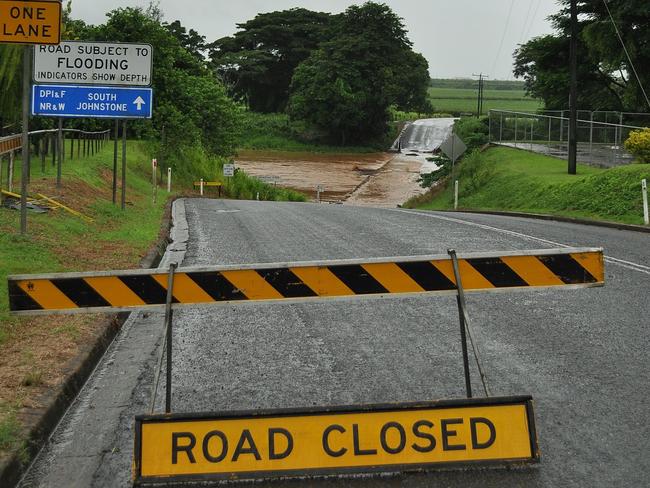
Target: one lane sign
94 63
32 22
92 101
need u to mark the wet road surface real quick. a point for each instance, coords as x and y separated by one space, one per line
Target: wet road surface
582 354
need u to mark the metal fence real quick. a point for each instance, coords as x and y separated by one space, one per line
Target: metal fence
600 135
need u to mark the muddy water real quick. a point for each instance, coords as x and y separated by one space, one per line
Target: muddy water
339 174
378 179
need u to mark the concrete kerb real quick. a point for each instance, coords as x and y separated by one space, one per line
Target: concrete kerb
557 218
39 423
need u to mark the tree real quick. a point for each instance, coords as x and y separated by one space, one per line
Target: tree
605 73
258 62
190 102
346 86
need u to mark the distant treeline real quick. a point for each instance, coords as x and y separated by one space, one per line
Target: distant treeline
473 83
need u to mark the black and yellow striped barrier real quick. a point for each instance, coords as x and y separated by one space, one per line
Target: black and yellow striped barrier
124 290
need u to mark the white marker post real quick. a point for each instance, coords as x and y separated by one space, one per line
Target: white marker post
644 190
319 190
154 183
201 186
456 195
169 180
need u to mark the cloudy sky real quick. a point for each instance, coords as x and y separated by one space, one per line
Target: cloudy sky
458 37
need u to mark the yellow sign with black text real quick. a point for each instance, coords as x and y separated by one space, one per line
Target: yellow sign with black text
30 22
335 440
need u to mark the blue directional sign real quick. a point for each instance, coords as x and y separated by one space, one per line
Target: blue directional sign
92 101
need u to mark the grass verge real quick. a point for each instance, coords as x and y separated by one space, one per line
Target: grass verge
35 350
516 180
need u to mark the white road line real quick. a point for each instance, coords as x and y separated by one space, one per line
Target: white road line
608 259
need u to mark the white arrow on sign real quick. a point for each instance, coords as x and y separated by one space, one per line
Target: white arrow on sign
139 102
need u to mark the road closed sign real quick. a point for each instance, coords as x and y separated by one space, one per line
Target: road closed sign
30 22
388 438
94 63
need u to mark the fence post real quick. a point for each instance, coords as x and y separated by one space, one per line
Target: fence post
591 137
42 149
501 127
10 172
516 119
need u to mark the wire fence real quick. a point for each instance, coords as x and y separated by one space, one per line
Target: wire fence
600 134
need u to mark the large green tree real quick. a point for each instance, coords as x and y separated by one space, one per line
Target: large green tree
258 62
606 77
190 102
346 87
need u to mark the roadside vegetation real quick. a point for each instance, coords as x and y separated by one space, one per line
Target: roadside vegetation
34 351
516 180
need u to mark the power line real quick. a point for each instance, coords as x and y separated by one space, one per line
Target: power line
532 20
523 31
503 36
627 53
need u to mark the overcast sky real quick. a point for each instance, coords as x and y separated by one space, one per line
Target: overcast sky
458 37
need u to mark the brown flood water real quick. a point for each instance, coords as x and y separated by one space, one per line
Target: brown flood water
376 179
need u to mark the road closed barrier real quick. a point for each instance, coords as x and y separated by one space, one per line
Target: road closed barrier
299 442
124 290
236 445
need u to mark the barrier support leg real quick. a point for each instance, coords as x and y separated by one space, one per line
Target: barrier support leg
168 330
167 346
460 300
466 331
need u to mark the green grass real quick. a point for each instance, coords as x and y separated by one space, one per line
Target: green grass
517 180
463 100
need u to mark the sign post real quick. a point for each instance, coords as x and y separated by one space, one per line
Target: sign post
229 170
33 22
122 69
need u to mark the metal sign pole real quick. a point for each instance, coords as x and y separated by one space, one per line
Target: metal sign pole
117 130
59 153
27 50
123 203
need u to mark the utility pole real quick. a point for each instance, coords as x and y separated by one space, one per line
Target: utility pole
573 90
479 107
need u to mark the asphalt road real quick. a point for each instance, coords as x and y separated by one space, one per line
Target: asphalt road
582 354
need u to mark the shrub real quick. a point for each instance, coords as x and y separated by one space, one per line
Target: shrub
473 131
638 144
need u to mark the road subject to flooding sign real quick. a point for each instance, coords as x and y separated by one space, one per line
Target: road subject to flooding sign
336 440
